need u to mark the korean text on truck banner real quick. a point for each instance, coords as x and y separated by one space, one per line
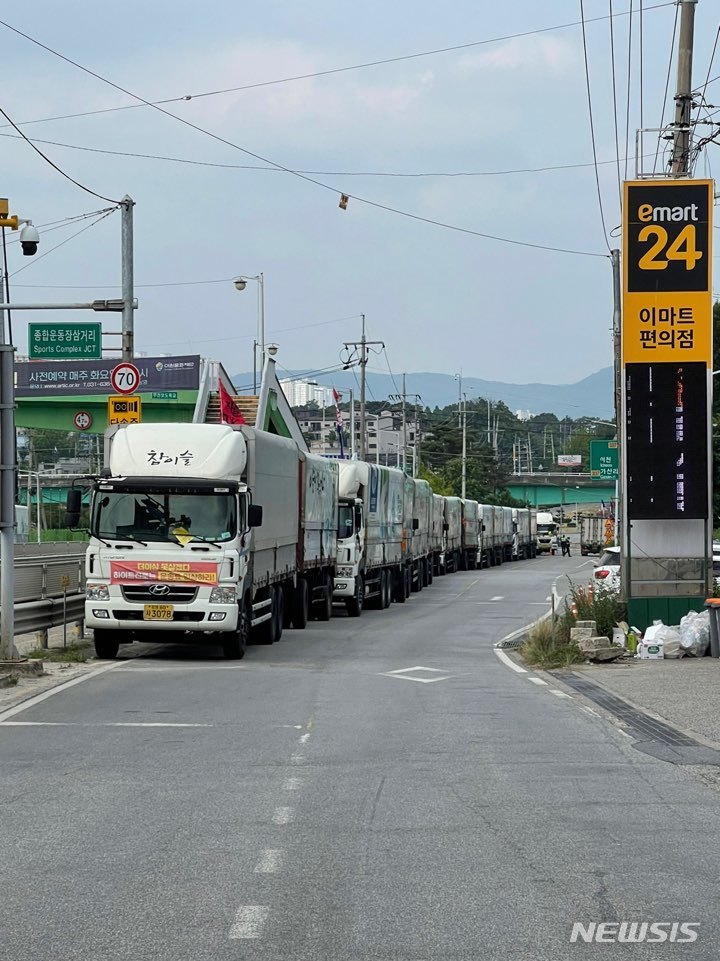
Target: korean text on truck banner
169 572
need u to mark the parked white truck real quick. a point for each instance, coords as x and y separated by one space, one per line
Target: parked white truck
207 532
372 544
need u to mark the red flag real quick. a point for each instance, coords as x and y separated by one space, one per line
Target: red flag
229 410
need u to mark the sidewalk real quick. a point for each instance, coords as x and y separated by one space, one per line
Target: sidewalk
685 692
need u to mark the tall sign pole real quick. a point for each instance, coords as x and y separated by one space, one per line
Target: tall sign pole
666 457
683 97
128 295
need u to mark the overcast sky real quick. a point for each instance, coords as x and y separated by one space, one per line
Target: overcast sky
440 299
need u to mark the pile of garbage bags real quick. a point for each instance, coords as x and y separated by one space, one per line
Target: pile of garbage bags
690 638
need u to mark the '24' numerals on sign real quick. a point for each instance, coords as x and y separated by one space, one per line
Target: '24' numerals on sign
682 248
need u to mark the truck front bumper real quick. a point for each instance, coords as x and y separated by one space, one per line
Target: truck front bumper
344 588
116 614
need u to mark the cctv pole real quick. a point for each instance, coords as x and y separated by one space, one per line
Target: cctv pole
128 296
8 469
464 446
404 431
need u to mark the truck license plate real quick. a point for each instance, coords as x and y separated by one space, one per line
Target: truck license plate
157 612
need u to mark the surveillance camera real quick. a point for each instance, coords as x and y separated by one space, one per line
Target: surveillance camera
29 240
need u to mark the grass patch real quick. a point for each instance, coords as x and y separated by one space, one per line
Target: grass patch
9 680
72 654
547 648
599 605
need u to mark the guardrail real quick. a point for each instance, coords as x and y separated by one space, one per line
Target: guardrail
49 588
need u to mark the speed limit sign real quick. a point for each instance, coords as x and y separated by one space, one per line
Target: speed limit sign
82 420
125 378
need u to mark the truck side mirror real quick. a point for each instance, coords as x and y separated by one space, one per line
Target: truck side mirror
255 513
73 506
446 526
483 527
416 524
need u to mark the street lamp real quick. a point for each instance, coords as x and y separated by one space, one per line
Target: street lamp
240 283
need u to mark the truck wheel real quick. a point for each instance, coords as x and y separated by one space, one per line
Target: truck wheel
301 605
400 583
355 604
267 631
279 611
388 589
325 606
408 581
416 582
235 644
106 645
287 593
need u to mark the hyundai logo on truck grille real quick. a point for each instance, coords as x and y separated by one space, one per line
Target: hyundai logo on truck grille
159 590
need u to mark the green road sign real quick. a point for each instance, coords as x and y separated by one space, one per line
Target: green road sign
604 459
164 395
65 341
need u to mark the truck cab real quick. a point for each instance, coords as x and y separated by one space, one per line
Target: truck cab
350 554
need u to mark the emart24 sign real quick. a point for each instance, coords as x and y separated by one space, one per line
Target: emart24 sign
667 256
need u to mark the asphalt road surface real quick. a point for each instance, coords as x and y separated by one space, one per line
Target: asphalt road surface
372 789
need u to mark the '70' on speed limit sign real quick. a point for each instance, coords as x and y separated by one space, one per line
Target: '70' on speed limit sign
125 378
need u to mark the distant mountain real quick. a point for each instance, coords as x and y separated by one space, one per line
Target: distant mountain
590 397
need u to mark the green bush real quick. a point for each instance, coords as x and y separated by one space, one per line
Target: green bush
547 647
600 605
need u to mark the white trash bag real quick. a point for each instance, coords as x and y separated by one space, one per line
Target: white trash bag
695 633
669 637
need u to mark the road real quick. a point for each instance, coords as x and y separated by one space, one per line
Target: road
312 804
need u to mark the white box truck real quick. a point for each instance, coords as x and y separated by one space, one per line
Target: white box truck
547 533
452 536
470 534
422 551
372 544
206 532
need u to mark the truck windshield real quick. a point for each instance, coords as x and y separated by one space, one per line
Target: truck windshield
345 521
546 528
159 516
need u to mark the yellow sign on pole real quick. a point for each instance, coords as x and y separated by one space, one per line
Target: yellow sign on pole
124 409
667 261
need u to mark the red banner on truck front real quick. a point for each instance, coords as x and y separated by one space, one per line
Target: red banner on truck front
169 572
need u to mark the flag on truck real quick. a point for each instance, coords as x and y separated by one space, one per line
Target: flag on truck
339 424
229 411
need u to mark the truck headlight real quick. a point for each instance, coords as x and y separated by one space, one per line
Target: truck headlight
344 572
97 592
223 595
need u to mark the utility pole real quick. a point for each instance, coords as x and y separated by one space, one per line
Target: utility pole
128 296
617 326
7 496
363 344
683 98
403 398
464 446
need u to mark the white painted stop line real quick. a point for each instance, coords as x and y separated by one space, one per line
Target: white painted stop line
249 921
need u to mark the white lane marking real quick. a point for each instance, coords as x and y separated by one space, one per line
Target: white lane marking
249 921
292 783
283 815
589 710
39 698
270 861
561 694
297 759
100 724
508 662
304 738
548 598
625 733
407 674
498 597
537 680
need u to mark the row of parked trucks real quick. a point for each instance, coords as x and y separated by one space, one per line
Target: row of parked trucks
231 534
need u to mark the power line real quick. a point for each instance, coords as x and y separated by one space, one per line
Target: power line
305 177
592 125
62 243
324 173
614 97
667 85
629 81
54 165
305 76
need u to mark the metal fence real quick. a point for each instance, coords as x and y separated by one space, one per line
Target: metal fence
49 588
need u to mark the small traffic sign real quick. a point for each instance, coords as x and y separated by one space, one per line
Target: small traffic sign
125 378
82 420
124 410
